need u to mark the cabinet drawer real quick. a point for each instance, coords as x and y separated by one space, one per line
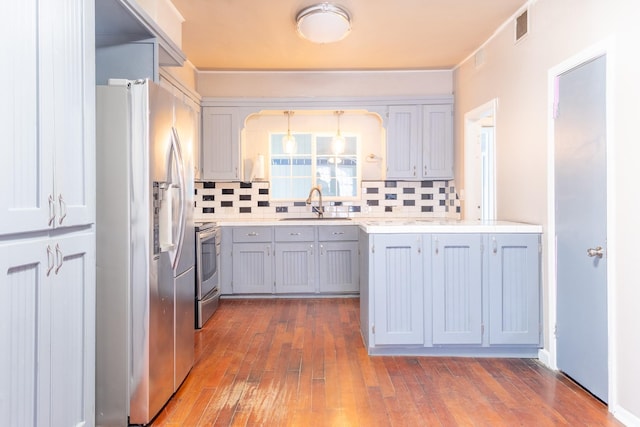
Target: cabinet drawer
303 233
252 234
337 232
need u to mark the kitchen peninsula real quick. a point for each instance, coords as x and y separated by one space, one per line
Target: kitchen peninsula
427 285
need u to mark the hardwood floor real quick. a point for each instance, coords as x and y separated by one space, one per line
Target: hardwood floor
302 362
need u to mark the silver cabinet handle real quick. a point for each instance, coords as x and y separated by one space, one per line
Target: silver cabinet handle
252 234
321 250
437 248
50 263
294 234
495 245
59 258
597 252
63 208
52 210
338 233
268 249
311 250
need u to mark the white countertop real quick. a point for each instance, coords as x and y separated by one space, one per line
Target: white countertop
395 225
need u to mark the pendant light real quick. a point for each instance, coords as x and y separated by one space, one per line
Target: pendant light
288 141
338 143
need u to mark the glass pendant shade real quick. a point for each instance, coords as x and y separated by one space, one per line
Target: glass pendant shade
338 143
288 144
288 141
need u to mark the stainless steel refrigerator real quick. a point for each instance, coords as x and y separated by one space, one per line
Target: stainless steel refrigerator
145 250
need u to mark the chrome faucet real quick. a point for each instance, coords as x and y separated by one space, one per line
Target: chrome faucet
319 210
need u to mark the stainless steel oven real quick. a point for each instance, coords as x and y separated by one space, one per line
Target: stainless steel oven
207 271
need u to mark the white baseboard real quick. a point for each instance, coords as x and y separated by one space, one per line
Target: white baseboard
545 358
625 417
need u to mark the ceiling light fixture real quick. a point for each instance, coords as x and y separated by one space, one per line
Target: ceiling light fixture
288 141
323 23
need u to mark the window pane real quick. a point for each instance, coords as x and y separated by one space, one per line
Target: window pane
293 175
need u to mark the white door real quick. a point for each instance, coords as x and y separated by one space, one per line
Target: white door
580 191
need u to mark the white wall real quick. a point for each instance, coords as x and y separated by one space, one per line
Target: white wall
255 138
517 76
324 83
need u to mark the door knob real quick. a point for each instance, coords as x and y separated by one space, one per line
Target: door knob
595 252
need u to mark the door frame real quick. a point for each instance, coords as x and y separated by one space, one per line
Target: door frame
472 121
548 356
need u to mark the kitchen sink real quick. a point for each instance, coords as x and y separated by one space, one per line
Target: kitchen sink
315 218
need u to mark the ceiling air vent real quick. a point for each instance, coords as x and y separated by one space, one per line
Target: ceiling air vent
522 25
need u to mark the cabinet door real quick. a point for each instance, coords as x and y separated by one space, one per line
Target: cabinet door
514 289
48 289
437 141
23 273
402 142
252 268
26 168
398 291
68 106
220 154
69 317
295 267
338 267
46 176
456 283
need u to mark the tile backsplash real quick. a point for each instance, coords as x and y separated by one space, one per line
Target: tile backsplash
215 200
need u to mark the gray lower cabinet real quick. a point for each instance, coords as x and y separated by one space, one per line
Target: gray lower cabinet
284 259
252 260
467 294
294 258
397 289
456 288
338 269
513 263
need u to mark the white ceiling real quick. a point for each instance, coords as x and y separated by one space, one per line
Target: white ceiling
385 35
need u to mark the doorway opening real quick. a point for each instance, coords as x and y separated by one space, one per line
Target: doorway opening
480 162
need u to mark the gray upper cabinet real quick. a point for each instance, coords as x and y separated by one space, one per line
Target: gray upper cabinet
403 142
220 151
420 142
437 141
397 290
456 262
514 288
130 44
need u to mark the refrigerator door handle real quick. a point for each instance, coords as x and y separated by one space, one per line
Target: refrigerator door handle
182 219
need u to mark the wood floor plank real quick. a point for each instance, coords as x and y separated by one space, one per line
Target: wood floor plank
301 362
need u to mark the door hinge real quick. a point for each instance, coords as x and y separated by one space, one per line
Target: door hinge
373 249
373 329
539 248
482 330
555 330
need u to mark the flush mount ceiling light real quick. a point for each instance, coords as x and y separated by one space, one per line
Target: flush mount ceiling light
323 23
